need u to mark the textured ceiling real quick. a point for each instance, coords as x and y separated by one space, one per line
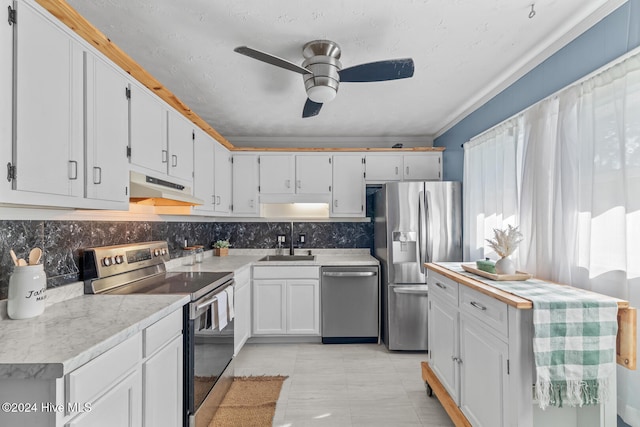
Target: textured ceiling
464 51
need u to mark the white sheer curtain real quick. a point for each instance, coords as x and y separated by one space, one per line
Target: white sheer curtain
579 202
491 177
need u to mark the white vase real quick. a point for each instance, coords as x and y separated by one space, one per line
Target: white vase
505 266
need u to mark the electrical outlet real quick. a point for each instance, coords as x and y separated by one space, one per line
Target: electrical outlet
281 238
302 238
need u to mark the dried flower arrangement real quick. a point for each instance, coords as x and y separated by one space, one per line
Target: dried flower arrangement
505 241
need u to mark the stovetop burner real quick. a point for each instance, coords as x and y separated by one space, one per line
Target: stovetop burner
140 269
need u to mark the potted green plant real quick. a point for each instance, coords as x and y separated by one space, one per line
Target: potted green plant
221 248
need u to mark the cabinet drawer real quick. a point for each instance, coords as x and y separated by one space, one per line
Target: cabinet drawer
286 272
483 307
86 382
161 332
443 287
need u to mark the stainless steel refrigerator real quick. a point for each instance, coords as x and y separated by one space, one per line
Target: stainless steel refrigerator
415 223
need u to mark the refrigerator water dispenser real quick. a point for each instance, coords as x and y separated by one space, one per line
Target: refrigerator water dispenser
404 246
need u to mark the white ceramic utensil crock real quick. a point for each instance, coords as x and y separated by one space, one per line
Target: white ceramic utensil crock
27 287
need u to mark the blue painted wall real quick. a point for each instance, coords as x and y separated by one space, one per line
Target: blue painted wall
612 37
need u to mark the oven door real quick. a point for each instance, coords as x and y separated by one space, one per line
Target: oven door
210 351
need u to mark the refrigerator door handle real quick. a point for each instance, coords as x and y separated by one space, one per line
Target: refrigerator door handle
429 239
422 235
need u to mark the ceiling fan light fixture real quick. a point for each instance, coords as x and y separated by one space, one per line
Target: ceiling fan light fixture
321 94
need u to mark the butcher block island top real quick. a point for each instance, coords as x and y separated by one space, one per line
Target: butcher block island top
627 316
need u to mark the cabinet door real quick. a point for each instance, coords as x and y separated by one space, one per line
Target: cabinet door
303 307
242 325
148 130
180 142
119 406
244 184
383 168
162 379
107 131
203 164
222 179
277 174
348 190
423 167
443 344
48 151
483 374
313 174
269 315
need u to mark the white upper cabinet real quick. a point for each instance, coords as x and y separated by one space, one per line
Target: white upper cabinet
348 189
161 138
418 166
244 184
222 179
107 132
277 174
299 174
313 174
203 161
148 130
180 133
383 167
423 166
48 154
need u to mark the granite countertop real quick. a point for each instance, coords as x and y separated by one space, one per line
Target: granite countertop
73 331
70 333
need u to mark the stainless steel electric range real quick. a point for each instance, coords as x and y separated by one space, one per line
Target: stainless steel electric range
208 343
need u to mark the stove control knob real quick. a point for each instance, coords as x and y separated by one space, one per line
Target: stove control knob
107 261
156 252
119 259
164 251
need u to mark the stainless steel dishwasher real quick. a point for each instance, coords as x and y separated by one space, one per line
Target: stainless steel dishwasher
350 300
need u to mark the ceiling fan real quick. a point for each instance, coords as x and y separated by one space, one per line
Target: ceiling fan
323 72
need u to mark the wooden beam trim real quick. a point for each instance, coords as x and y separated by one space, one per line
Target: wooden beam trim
343 149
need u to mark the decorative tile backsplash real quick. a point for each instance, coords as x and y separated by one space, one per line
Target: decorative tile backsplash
61 241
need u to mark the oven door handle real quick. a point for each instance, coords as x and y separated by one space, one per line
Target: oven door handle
206 302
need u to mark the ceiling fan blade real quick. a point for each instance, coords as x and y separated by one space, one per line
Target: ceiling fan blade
270 59
311 108
378 71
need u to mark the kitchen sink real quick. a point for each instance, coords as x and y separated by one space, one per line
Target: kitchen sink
288 258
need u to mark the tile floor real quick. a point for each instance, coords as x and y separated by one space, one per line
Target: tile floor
344 385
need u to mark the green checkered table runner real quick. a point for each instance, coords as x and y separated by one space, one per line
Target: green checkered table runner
574 341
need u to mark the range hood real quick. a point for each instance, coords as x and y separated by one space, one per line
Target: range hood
149 190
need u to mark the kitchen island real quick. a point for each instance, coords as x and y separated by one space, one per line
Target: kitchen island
481 362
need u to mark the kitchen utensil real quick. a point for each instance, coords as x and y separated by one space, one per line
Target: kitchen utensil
13 257
34 256
21 262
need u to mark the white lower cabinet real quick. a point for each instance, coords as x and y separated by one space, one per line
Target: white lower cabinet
468 349
286 301
119 406
163 372
443 343
134 384
483 374
242 302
